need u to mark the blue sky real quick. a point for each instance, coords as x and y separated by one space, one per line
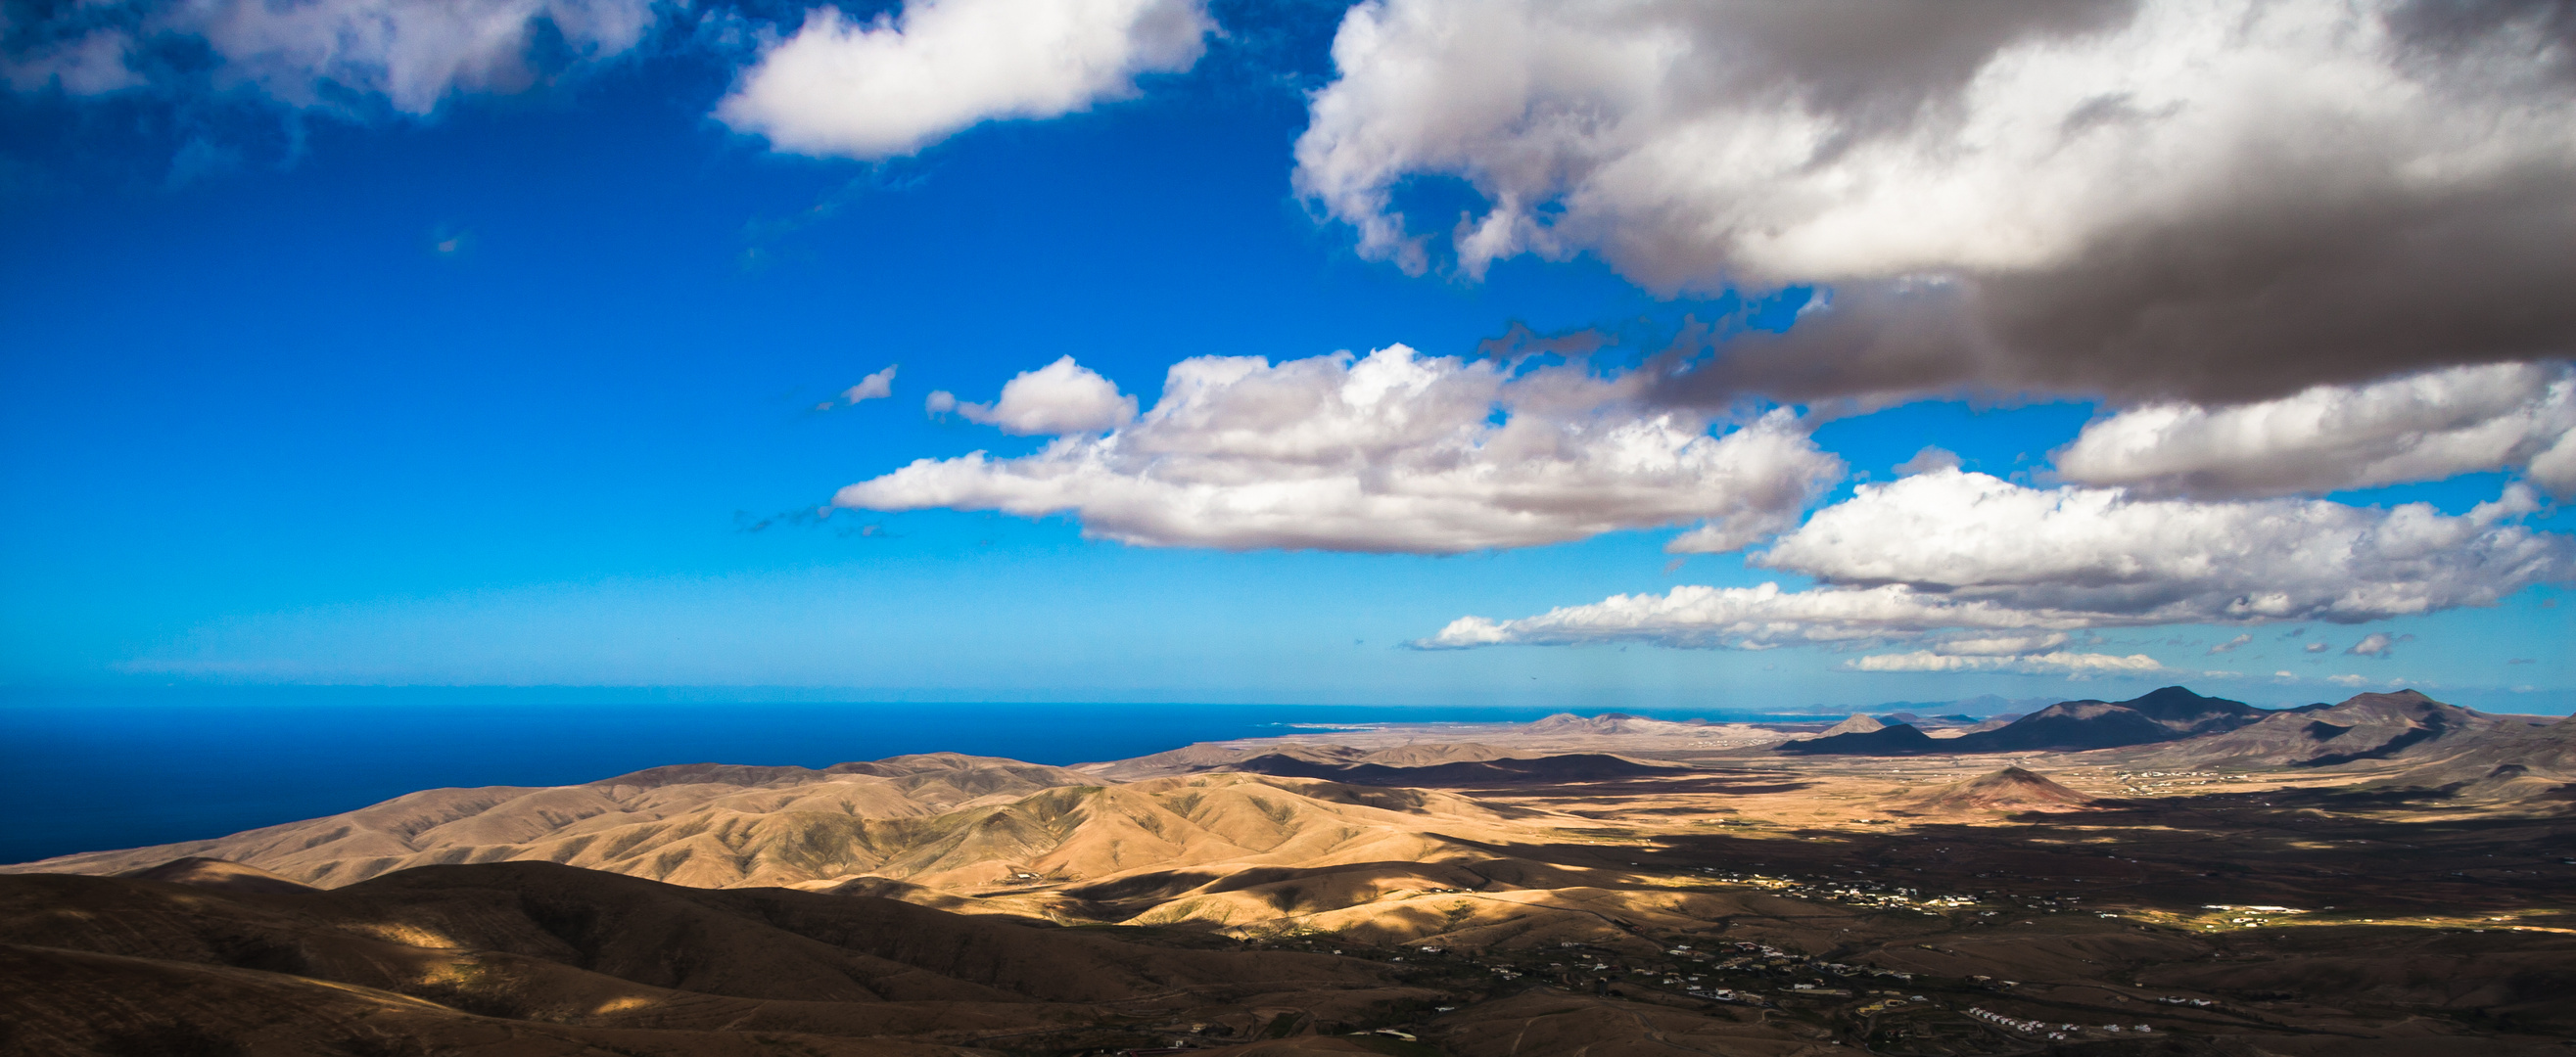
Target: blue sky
522 391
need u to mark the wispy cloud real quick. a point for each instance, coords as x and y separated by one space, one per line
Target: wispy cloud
2059 663
877 386
344 56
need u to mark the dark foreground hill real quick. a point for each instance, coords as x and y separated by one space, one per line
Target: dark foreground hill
533 958
2170 714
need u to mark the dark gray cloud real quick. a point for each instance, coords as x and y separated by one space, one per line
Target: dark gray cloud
2213 201
2260 299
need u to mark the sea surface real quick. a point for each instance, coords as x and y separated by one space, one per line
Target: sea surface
99 771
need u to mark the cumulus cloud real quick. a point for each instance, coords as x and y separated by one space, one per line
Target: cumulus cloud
1953 550
1391 452
901 83
876 386
2212 199
2318 647
2230 645
1061 397
2421 427
2157 561
329 54
2377 644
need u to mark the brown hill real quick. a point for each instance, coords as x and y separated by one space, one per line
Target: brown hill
2009 790
845 830
707 825
1857 724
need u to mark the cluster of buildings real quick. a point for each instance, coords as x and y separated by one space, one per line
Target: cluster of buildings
2056 1031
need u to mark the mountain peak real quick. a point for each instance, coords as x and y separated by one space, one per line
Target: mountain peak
2009 789
1857 724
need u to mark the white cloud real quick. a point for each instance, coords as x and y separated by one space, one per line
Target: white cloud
1390 452
899 84
410 54
2318 647
2059 663
2421 427
2230 645
2173 195
2113 558
876 386
2376 644
1953 550
1061 397
2349 680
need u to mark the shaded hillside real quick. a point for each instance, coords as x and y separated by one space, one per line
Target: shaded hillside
580 961
1896 739
2169 714
2364 727
2532 767
1575 767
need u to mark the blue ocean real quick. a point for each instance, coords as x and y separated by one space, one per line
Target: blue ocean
92 770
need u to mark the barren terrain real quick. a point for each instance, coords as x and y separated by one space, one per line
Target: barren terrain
2389 875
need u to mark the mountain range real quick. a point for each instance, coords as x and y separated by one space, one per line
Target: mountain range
2168 714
